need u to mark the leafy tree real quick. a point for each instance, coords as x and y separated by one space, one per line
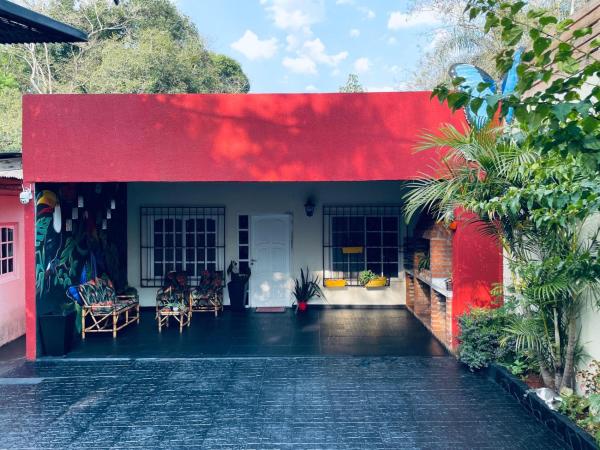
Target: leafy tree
461 40
352 84
140 46
534 183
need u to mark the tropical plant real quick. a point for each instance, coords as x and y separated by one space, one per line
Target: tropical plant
307 287
534 183
423 261
365 276
481 333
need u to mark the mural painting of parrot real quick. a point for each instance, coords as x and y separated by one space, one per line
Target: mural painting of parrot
48 237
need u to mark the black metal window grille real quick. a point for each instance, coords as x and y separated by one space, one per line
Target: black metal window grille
182 238
243 242
361 237
7 249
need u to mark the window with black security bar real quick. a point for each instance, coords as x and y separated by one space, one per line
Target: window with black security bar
361 237
188 239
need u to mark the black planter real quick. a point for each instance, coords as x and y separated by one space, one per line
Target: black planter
57 332
567 430
237 288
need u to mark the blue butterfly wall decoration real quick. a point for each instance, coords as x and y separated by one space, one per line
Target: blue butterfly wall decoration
473 77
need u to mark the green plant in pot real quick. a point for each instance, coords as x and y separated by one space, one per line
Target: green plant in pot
305 289
365 276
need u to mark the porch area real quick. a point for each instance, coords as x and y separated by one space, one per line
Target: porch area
317 332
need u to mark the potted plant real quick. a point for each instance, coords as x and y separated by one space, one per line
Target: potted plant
237 286
369 279
57 329
305 289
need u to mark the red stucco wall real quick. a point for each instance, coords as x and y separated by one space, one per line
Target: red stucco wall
257 137
476 269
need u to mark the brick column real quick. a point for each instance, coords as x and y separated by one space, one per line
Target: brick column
410 291
422 302
449 339
438 316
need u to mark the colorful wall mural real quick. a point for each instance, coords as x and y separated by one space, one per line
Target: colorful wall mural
80 234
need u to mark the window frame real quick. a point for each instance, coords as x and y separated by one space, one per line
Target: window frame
331 245
148 217
9 275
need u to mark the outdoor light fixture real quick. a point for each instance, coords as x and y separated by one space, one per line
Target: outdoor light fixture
309 207
113 204
80 201
74 213
104 224
69 224
108 214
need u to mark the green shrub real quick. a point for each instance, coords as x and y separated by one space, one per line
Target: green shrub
482 330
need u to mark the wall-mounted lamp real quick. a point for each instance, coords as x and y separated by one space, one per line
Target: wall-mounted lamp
69 224
113 204
108 213
74 214
80 201
309 207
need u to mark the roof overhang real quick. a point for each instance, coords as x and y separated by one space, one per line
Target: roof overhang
230 137
20 25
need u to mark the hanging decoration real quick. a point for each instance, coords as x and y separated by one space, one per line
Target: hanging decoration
479 84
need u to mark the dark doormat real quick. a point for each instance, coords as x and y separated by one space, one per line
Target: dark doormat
270 309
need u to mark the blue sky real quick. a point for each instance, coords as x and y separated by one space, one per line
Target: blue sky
312 45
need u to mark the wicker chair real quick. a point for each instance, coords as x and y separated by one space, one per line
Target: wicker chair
174 300
208 295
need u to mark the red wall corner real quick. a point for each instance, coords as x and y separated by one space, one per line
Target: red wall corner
476 268
30 300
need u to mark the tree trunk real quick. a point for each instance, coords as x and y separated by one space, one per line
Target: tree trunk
567 377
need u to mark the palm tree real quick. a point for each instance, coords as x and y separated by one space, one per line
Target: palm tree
554 269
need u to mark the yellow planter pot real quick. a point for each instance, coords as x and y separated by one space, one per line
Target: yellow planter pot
377 282
335 283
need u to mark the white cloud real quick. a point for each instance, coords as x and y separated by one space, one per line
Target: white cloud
398 20
253 48
302 65
368 12
315 50
354 32
392 40
292 42
295 15
362 65
311 88
344 2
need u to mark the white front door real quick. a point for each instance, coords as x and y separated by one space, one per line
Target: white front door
270 243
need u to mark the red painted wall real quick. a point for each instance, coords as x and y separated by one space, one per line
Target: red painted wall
476 268
224 137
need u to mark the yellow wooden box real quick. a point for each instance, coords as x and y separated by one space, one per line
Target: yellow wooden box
377 282
335 283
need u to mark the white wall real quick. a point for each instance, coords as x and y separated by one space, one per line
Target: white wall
266 198
590 315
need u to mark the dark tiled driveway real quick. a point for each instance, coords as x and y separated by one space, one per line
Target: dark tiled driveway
261 403
319 332
339 379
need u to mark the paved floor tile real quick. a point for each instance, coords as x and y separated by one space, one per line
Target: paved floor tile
262 403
